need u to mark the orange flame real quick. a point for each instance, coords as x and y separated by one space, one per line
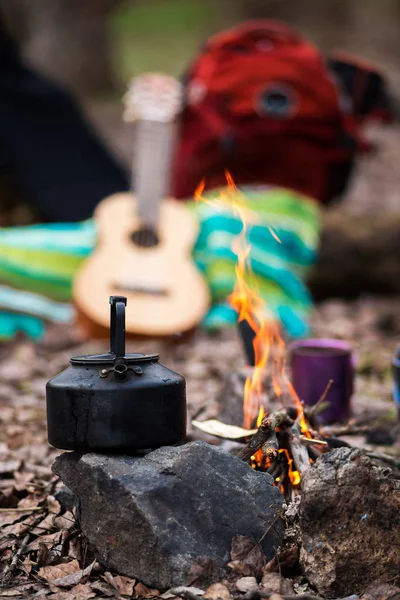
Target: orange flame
261 414
251 307
294 475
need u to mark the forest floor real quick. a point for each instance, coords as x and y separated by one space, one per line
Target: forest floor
53 561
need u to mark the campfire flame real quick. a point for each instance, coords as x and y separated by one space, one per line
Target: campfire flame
251 307
247 301
269 347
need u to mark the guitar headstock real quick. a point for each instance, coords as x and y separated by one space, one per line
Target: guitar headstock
153 97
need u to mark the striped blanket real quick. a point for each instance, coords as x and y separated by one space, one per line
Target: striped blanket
38 263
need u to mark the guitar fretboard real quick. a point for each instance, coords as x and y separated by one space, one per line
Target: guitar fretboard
154 142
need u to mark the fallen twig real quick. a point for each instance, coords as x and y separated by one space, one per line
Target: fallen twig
9 571
314 408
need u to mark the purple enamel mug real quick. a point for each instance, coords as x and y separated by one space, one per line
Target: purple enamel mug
313 363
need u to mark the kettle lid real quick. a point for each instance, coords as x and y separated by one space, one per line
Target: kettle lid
117 341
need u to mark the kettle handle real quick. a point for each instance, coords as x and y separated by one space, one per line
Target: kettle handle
117 326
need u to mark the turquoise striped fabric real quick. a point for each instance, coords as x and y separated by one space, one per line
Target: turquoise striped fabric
38 263
279 269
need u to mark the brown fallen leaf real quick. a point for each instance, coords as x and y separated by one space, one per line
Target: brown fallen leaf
49 540
104 588
275 597
53 505
7 485
142 591
65 521
9 466
79 592
25 590
26 566
12 519
247 584
43 556
76 546
180 590
8 500
74 578
217 591
22 527
222 430
54 572
30 501
124 585
275 583
21 480
283 562
247 557
5 544
203 573
47 524
40 471
7 414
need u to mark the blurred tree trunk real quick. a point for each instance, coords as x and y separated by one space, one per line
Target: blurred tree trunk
363 26
357 255
325 19
65 39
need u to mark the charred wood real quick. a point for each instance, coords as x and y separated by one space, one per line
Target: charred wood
265 432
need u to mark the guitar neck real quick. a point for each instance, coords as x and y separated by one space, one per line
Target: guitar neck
151 168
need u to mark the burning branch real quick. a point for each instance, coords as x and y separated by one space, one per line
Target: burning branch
283 447
265 433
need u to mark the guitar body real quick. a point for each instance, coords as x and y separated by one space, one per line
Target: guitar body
166 293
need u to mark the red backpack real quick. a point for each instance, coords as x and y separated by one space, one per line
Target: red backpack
262 103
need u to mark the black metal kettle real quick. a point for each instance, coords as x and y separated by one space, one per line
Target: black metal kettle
116 402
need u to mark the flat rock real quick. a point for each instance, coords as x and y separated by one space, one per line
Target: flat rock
153 517
350 523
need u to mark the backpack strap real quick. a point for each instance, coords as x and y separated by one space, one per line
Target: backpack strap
365 85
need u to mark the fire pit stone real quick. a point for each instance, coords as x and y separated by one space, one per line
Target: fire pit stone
152 517
349 518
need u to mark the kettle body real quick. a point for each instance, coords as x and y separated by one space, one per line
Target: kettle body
116 402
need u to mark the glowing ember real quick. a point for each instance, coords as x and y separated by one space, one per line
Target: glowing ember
294 475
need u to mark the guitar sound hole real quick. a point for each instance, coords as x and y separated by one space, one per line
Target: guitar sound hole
145 237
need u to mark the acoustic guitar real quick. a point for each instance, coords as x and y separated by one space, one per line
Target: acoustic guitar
145 239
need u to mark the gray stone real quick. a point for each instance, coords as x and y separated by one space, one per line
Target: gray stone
350 523
152 517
